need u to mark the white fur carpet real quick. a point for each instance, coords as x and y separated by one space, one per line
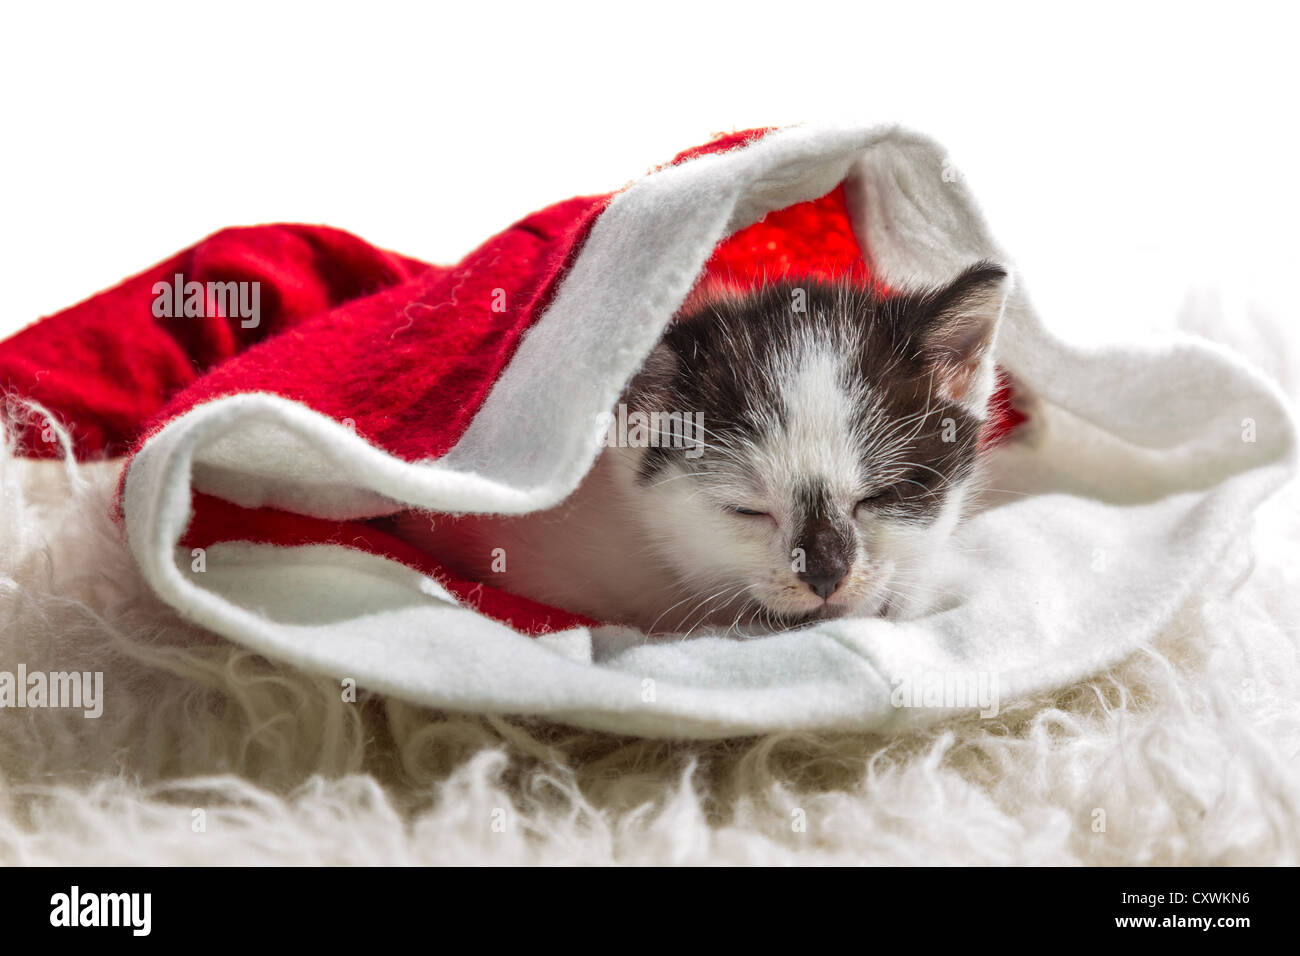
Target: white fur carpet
1189 753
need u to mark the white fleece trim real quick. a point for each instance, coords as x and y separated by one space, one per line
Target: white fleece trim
1133 488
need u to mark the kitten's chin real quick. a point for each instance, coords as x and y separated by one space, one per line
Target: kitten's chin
831 612
824 613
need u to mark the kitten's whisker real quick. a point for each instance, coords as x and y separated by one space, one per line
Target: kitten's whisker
728 591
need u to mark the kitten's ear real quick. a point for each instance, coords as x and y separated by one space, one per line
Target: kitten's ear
956 342
649 386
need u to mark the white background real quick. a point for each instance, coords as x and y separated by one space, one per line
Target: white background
1128 156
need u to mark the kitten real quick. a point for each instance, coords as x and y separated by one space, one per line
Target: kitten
837 447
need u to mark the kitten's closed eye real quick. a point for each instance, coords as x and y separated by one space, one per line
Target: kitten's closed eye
914 482
748 512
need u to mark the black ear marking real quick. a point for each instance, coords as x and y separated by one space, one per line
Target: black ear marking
648 392
654 378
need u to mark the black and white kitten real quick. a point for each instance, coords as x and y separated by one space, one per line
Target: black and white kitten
837 446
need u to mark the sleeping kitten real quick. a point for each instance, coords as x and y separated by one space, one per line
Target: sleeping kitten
837 448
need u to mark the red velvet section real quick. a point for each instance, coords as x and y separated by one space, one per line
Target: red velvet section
810 240
411 365
108 365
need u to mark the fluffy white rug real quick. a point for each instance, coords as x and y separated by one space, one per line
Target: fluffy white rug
1188 753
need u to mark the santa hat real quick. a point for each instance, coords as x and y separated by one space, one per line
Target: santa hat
260 447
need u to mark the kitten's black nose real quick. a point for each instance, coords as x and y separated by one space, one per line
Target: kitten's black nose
823 581
826 544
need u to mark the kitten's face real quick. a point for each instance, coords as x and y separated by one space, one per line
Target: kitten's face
839 443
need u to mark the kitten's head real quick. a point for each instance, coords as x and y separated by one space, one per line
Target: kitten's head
839 432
